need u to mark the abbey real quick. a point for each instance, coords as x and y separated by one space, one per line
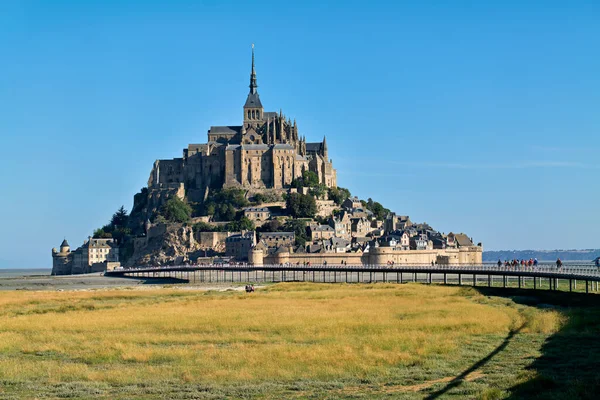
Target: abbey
265 152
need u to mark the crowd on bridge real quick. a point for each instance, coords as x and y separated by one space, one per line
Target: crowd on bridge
533 262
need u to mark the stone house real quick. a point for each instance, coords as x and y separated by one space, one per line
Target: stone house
321 232
239 244
395 222
257 214
359 226
420 242
98 252
342 225
352 203
278 239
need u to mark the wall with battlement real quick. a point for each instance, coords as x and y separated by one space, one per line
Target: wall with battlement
377 256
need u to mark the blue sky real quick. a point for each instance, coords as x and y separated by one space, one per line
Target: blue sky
480 117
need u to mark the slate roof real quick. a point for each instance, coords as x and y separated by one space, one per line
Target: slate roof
229 130
269 114
275 234
253 101
100 243
463 240
255 147
283 146
319 228
64 243
315 248
313 147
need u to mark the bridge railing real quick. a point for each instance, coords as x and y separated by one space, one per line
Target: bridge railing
575 270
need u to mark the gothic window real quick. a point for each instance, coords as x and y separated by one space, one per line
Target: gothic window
258 115
253 114
248 114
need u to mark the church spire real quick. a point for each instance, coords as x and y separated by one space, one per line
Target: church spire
253 84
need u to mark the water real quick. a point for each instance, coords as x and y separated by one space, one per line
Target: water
16 272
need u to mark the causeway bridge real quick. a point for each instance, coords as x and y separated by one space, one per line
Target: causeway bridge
573 277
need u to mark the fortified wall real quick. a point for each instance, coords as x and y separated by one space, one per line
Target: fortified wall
375 256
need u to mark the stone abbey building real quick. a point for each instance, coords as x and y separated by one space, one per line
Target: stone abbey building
266 151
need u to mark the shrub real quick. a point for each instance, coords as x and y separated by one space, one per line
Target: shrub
176 210
301 205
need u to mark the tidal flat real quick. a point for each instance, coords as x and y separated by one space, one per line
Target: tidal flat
299 340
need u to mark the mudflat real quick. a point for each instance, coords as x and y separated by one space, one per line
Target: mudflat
96 281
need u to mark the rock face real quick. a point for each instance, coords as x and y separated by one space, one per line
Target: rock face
165 244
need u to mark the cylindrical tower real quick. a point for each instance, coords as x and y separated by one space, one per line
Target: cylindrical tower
255 257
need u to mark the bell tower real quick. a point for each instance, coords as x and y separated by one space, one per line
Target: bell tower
253 109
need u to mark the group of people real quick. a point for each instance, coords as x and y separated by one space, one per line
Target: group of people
249 288
532 262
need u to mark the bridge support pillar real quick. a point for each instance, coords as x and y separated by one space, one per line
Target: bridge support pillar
474 279
430 278
519 279
489 280
570 285
504 280
445 279
401 278
586 286
460 279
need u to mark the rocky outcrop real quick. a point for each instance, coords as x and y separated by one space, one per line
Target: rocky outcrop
165 244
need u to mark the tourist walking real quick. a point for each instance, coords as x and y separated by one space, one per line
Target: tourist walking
558 263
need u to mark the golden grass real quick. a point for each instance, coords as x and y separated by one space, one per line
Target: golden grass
288 332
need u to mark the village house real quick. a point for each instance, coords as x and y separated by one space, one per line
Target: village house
257 214
321 232
239 244
352 203
278 239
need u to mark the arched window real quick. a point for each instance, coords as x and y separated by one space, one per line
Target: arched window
253 115
257 114
248 114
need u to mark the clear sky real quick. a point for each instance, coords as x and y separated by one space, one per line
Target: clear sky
473 116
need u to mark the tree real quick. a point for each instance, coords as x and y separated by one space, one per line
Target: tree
301 206
299 228
176 210
244 224
338 195
222 204
318 191
101 234
120 218
204 227
259 198
376 208
271 226
310 179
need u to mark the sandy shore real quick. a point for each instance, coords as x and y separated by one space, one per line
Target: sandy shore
98 281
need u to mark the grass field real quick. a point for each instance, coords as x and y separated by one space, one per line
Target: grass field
298 340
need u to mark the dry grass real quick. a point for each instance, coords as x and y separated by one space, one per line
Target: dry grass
286 333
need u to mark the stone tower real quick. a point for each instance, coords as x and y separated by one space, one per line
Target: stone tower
253 109
62 261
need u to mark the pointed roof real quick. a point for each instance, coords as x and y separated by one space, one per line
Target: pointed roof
253 100
253 84
64 243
